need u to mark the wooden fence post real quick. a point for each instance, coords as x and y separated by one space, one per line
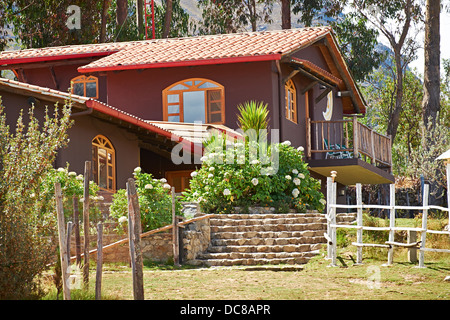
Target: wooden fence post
391 222
448 191
412 252
62 241
98 277
359 221
333 223
134 214
328 216
175 233
426 191
76 229
87 175
68 236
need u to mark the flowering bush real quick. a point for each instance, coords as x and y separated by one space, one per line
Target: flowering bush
155 202
234 177
72 184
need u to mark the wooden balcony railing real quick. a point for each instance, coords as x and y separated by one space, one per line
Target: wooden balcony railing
343 139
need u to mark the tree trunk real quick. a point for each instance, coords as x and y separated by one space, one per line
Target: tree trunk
431 83
106 4
397 109
121 12
167 19
285 14
140 18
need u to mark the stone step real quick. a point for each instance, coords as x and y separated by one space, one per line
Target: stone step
266 216
271 221
260 234
257 261
267 227
260 248
255 255
317 238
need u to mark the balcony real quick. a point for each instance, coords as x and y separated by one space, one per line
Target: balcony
357 153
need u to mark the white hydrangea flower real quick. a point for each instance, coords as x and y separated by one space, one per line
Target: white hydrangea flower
301 176
210 175
296 181
148 186
286 143
295 193
288 177
72 173
80 177
137 169
255 181
300 148
194 173
166 186
204 158
163 180
226 192
254 162
61 169
211 169
123 219
295 171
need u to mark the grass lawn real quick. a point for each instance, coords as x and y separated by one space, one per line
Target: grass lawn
317 281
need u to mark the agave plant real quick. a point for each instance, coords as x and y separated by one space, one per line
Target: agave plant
253 120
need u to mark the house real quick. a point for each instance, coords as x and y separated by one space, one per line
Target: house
136 100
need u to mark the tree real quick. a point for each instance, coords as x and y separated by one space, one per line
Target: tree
394 19
44 23
431 81
27 223
228 16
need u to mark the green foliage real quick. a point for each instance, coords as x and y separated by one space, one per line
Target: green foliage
27 219
230 16
252 119
43 23
72 184
155 202
235 178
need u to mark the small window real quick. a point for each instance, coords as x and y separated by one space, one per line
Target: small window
193 100
85 86
104 160
291 101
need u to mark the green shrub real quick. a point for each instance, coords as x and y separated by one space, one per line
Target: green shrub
155 202
231 176
27 218
72 184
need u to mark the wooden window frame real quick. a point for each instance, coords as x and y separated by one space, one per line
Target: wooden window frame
84 80
193 87
290 94
103 142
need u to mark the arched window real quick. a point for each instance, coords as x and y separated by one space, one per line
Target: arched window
291 100
104 161
194 100
85 86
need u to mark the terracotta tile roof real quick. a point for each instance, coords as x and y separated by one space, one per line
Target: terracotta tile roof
194 132
249 46
63 52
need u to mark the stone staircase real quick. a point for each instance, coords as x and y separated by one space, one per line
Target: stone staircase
255 239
